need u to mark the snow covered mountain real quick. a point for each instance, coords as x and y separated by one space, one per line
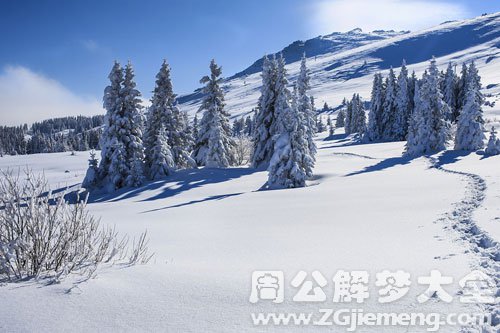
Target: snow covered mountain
343 63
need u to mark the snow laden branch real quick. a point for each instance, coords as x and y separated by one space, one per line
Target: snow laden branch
43 236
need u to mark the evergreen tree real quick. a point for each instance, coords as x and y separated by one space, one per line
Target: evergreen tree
215 145
162 161
91 179
359 110
389 110
461 89
450 92
305 107
412 81
131 134
401 119
291 163
340 121
113 104
433 130
248 128
418 127
195 128
470 127
348 118
374 128
493 147
265 120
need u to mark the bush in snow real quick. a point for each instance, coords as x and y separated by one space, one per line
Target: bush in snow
243 150
91 177
493 147
42 235
215 144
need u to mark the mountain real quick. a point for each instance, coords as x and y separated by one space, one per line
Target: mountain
344 63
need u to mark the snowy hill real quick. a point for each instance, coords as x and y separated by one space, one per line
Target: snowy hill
343 63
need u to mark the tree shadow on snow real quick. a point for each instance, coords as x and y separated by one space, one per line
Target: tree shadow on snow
192 202
179 182
383 165
450 157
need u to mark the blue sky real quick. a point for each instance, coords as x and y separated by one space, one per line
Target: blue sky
70 45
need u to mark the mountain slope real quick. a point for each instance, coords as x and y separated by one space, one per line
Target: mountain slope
343 63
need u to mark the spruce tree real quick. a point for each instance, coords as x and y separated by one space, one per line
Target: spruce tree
450 92
265 120
291 163
389 109
348 118
161 159
113 104
340 121
470 127
461 89
374 127
493 147
401 119
215 144
305 107
133 128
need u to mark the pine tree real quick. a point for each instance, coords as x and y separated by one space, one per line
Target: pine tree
340 121
162 161
418 127
450 92
389 108
248 128
433 129
348 118
374 127
113 103
305 107
493 147
91 179
195 128
265 120
132 121
215 144
291 163
360 118
470 127
412 81
461 89
401 119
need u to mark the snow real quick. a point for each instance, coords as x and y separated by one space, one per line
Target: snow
368 208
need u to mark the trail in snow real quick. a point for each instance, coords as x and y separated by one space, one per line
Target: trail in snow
460 219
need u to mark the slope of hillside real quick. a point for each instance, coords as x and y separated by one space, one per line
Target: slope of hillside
211 228
339 71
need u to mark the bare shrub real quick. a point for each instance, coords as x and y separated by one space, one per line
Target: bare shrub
42 235
243 149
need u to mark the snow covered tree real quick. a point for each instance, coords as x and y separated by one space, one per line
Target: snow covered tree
326 108
265 120
91 176
412 81
340 121
374 127
401 118
291 163
430 123
493 147
358 118
348 118
305 107
389 108
470 127
164 112
113 104
461 89
417 126
131 134
248 129
215 144
195 128
161 160
450 92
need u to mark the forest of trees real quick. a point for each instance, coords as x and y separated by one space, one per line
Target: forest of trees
53 135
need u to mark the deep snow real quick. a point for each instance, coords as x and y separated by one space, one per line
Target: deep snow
367 209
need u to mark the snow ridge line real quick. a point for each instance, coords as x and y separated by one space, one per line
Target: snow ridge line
460 219
355 155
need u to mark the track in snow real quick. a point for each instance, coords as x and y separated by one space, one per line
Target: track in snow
460 219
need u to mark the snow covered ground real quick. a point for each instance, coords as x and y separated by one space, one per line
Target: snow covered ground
367 209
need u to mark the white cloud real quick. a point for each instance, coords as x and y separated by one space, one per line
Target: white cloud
26 96
343 15
90 45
